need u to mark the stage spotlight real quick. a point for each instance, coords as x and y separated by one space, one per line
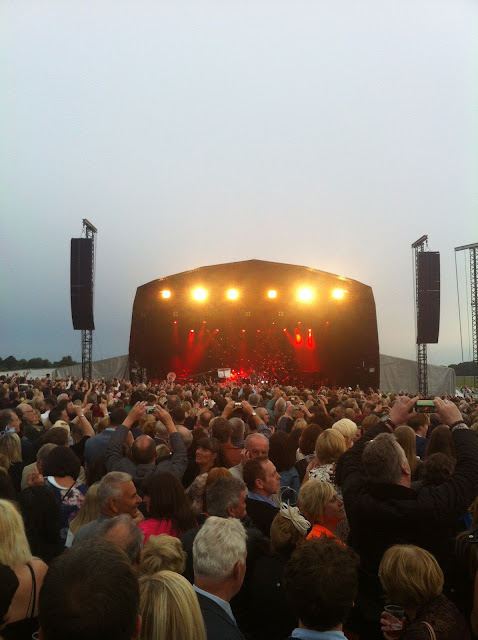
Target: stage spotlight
272 293
199 294
338 294
165 293
305 295
191 330
233 294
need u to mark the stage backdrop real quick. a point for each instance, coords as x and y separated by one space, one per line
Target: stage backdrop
278 322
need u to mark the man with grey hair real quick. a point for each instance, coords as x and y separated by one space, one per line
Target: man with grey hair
116 495
219 568
255 446
42 455
123 532
383 510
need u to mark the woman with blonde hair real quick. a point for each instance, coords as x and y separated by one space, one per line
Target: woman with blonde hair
413 580
15 552
11 452
406 438
348 429
161 553
169 608
329 447
320 504
88 512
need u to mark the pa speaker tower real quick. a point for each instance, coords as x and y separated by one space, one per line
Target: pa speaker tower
428 312
81 283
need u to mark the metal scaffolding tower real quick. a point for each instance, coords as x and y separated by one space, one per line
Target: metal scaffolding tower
472 248
419 246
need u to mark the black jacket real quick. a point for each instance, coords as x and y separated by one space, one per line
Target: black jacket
219 625
381 515
262 514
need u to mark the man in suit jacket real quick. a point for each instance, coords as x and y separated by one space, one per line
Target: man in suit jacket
263 481
219 566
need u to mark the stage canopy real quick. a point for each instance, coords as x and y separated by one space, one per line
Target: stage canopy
276 322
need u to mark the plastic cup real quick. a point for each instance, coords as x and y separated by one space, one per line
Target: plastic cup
398 613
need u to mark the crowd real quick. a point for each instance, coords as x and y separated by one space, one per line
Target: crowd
231 510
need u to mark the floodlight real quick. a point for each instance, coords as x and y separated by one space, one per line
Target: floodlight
165 293
338 294
199 294
305 295
272 293
233 294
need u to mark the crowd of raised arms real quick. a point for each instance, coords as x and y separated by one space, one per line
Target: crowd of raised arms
186 511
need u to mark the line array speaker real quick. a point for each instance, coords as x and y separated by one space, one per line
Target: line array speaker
428 312
81 283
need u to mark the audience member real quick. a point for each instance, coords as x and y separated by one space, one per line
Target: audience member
90 591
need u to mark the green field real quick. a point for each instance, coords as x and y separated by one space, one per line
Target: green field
467 381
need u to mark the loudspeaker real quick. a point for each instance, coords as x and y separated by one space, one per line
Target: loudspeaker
428 296
81 283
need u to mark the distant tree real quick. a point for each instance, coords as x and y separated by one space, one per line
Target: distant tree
66 361
10 363
465 368
39 363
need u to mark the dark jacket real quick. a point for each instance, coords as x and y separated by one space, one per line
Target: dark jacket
381 515
96 446
219 625
262 514
116 461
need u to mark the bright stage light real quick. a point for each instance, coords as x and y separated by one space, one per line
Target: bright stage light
272 293
233 294
304 295
165 293
338 294
199 294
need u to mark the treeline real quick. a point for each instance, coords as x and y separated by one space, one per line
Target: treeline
12 364
465 368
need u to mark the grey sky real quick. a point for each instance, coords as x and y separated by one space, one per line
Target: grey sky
325 134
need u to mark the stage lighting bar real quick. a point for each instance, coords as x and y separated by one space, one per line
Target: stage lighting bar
165 293
232 294
304 295
199 294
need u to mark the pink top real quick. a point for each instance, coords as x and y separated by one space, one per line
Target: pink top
153 527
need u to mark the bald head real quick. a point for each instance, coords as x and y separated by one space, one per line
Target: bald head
257 446
143 450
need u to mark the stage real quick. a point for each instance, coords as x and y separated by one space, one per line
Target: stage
276 322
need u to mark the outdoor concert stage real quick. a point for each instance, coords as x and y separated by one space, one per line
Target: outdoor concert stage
271 321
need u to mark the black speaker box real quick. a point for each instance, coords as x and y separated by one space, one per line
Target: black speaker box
428 313
81 283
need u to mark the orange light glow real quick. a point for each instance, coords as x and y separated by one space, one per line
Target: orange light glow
199 294
233 294
272 293
338 294
304 295
165 293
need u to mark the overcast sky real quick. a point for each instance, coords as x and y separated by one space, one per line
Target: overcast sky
318 133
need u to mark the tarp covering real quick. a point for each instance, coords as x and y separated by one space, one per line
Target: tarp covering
109 368
398 374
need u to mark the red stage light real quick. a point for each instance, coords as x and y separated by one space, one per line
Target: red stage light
175 322
192 330
204 322
298 338
284 330
243 331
